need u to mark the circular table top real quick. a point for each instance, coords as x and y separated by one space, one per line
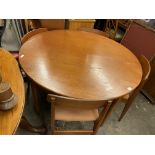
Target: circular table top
80 64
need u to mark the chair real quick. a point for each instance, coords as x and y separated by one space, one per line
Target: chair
32 33
53 24
128 99
71 109
96 31
111 30
50 24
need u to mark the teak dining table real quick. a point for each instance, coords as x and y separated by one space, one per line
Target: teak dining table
80 64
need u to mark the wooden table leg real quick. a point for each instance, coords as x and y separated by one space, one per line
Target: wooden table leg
24 122
26 125
35 97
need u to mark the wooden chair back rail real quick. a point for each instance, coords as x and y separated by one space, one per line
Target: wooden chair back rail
148 88
146 72
32 33
96 31
55 99
70 102
145 67
52 24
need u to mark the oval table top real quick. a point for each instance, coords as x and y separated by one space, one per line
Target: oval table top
10 72
80 64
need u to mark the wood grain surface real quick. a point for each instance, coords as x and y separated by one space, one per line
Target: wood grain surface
80 64
9 69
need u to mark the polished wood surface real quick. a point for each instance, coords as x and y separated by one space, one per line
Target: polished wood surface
9 69
32 33
80 64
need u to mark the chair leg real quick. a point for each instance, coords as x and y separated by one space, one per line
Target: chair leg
114 102
126 108
99 121
53 127
53 118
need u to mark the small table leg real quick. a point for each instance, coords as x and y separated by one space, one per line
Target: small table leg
26 125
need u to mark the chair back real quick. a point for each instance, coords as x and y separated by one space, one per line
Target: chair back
146 72
73 103
52 24
96 31
32 33
145 67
